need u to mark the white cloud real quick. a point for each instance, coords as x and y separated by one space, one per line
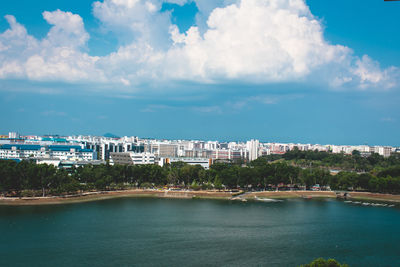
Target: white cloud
369 73
56 57
250 101
208 109
262 41
388 119
16 44
48 113
125 3
155 108
251 41
68 29
226 106
135 21
205 8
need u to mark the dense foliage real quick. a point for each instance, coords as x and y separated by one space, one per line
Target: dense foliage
26 178
353 162
324 263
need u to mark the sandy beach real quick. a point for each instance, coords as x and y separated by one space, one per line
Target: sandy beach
374 196
94 196
325 194
293 194
226 195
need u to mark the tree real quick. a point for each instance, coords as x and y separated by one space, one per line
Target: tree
363 181
195 186
308 178
217 183
384 175
229 177
47 173
8 175
247 176
347 180
375 158
320 262
173 176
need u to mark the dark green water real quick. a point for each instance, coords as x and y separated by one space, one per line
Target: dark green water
162 232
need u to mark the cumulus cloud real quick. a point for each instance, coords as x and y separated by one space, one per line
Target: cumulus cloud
56 57
68 29
262 41
369 73
135 21
251 41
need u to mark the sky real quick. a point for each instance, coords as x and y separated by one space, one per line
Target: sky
305 71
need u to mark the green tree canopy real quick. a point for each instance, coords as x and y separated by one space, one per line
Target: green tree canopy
320 262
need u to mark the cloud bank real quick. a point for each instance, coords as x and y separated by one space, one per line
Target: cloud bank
247 41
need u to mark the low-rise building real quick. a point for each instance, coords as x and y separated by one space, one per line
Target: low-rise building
205 163
28 151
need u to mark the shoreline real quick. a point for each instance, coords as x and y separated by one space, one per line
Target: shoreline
104 195
326 194
222 195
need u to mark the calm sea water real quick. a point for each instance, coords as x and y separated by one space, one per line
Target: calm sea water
164 232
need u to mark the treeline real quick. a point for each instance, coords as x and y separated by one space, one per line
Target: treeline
26 178
353 162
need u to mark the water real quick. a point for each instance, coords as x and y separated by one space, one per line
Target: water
171 232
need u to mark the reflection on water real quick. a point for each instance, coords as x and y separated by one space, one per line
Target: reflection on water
166 232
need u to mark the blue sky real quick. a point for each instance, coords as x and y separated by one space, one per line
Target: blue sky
301 71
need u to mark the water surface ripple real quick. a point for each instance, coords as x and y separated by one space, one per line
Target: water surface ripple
172 232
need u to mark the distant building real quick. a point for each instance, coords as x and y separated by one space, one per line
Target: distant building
162 149
198 153
252 146
229 154
205 163
129 150
123 158
13 135
131 158
68 164
63 152
385 151
54 162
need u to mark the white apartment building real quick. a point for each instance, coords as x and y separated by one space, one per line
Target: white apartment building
382 150
252 146
131 158
62 152
13 135
142 158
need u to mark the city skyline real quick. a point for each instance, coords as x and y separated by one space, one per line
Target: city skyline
320 73
117 137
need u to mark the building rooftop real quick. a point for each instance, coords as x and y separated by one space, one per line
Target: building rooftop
20 147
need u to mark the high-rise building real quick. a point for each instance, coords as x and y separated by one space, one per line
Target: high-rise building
252 147
13 135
